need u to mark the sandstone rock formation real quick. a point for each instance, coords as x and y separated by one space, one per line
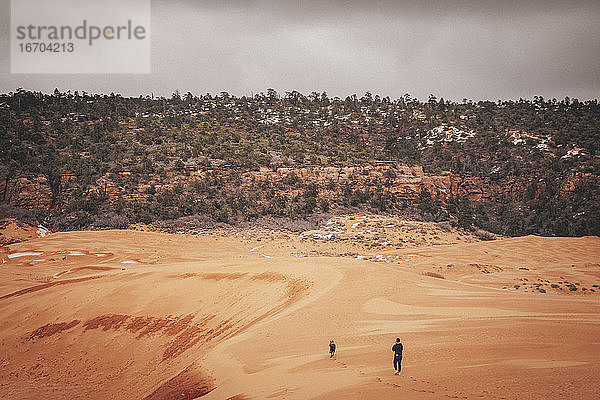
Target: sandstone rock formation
403 181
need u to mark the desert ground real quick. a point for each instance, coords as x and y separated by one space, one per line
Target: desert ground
126 314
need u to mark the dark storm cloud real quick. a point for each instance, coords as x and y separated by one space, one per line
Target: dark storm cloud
454 49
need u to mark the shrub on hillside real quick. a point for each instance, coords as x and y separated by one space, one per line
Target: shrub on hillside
110 220
484 235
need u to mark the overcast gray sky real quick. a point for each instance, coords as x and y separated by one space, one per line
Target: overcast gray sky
454 49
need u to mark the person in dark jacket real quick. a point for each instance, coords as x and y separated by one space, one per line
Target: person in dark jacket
397 349
331 348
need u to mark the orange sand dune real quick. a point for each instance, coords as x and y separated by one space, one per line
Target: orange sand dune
138 315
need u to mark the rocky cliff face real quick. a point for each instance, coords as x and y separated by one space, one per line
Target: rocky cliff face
405 182
26 192
402 181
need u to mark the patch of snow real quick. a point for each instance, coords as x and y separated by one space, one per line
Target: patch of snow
572 153
320 236
418 114
542 146
42 231
76 253
448 133
265 256
520 138
256 248
15 255
354 225
129 262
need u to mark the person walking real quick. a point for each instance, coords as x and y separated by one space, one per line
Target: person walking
397 349
331 348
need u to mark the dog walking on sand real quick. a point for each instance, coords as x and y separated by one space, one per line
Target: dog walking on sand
397 349
331 348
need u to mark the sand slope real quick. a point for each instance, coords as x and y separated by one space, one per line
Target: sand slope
134 315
